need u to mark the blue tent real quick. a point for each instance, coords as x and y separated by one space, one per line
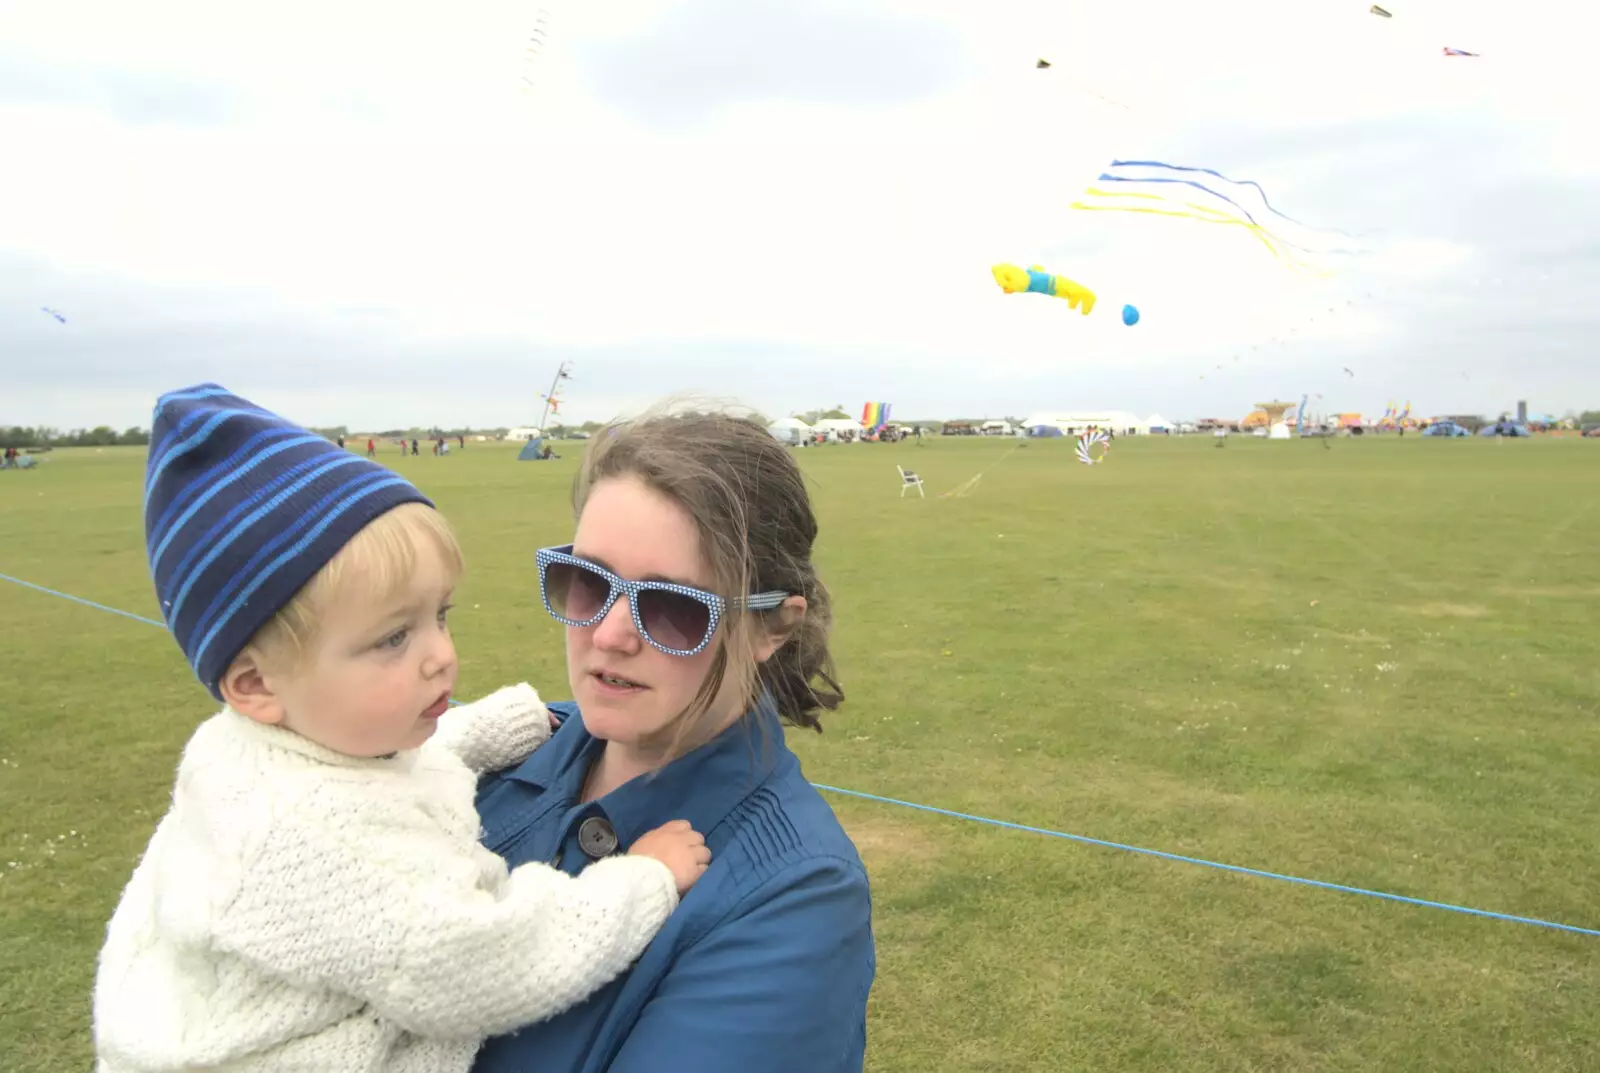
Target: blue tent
1046 430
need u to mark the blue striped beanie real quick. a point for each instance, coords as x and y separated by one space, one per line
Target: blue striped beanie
241 509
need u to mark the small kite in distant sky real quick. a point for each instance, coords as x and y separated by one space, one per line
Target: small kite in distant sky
54 314
538 41
1458 52
1043 64
1376 10
1347 371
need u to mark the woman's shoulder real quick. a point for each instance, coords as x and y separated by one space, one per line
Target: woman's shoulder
784 829
787 903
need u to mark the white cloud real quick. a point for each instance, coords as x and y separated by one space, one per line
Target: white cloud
380 181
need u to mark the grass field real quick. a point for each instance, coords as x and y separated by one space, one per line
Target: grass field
1375 665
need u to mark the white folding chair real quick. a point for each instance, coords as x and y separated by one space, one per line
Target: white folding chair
909 479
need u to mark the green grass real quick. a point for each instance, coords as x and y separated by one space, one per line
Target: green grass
1373 665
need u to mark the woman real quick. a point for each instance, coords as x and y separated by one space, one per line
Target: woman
696 626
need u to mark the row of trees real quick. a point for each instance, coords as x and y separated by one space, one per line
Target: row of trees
105 436
334 432
42 437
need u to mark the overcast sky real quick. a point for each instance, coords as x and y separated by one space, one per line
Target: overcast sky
359 213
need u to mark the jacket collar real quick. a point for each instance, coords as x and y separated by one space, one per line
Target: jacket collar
702 786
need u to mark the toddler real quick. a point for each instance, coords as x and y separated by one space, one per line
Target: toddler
315 898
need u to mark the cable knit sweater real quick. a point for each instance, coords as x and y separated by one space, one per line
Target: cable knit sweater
301 910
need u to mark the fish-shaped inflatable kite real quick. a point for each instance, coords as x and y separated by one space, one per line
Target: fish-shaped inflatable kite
1036 280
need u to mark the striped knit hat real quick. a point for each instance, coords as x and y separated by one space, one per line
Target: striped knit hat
241 509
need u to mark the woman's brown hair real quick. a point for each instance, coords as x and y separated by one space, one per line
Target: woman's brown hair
747 499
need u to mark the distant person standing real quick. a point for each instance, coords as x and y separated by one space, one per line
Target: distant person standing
372 448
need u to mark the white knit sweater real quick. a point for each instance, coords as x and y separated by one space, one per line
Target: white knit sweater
298 909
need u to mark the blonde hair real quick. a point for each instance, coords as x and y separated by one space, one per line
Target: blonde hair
747 499
375 565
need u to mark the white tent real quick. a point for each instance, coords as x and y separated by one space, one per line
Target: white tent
1073 423
1155 421
833 426
790 430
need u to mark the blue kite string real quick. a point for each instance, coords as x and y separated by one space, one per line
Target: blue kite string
1007 825
81 600
1209 864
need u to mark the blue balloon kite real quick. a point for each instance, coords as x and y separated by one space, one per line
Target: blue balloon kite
1130 316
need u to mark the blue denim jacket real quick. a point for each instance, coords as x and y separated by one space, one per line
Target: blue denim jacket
764 967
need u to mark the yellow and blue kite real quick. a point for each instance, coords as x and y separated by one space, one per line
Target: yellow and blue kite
1036 280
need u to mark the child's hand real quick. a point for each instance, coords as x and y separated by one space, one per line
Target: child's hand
679 847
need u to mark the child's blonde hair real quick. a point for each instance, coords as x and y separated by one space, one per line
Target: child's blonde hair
375 565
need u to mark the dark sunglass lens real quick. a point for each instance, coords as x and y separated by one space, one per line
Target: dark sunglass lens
575 592
674 620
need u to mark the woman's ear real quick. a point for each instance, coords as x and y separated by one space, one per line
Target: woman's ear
245 689
780 624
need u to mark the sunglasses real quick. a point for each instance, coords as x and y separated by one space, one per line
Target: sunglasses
677 619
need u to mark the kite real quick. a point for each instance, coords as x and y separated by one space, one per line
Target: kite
54 314
537 42
1376 10
1156 173
1126 176
1197 212
1090 439
1130 315
1459 52
1036 280
1043 64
